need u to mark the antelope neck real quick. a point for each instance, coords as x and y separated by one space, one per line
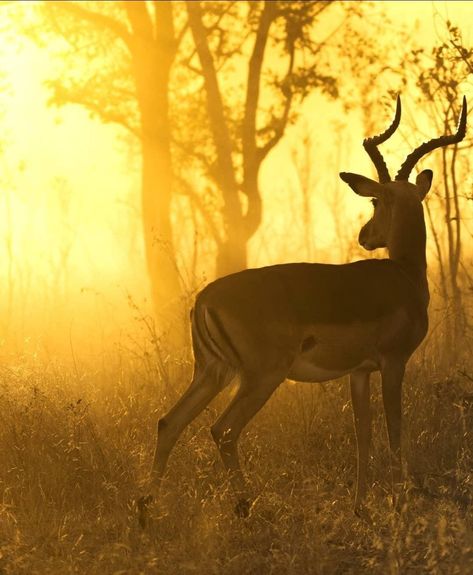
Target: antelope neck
407 245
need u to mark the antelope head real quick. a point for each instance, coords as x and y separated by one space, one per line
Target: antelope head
397 200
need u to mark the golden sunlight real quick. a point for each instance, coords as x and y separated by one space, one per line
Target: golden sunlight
71 202
159 158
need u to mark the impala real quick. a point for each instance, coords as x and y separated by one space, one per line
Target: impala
317 322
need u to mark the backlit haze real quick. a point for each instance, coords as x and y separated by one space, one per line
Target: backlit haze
72 269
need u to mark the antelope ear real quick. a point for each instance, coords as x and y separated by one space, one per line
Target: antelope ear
361 185
423 182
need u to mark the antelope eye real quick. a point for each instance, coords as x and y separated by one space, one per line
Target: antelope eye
374 201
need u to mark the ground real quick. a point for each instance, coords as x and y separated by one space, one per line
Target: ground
76 445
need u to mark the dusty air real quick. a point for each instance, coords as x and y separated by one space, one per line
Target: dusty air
236 287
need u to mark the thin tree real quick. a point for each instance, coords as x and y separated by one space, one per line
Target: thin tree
441 75
243 132
117 59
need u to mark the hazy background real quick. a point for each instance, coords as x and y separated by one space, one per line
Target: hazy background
71 243
147 147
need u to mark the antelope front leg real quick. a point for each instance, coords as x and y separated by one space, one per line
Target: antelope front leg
360 398
392 374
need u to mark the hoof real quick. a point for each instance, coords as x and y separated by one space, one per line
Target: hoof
242 508
142 505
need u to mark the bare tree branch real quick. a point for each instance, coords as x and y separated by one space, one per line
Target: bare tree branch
108 116
282 122
249 146
97 19
215 107
199 204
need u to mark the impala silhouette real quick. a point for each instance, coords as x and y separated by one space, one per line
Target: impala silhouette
316 322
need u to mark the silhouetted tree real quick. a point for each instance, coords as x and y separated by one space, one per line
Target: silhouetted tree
276 54
117 58
441 77
256 61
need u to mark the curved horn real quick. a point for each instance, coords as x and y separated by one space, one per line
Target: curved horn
371 146
433 144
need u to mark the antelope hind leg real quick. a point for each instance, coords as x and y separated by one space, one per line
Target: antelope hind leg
253 393
206 383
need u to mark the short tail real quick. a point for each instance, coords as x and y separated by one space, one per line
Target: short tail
210 337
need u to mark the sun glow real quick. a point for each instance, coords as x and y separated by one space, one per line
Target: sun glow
71 245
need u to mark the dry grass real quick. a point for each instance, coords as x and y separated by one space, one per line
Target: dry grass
75 446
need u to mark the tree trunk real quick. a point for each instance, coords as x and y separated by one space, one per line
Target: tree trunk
152 57
166 290
232 252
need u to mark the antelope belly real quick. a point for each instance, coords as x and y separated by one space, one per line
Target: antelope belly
328 352
308 372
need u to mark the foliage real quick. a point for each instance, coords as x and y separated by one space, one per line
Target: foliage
253 77
94 69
